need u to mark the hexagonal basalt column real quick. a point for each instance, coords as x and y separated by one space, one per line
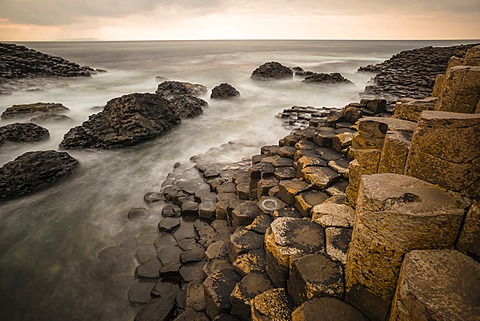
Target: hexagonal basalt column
395 215
315 275
289 238
437 285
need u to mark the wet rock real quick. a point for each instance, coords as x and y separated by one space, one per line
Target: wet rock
168 224
287 151
337 189
158 309
271 305
185 231
218 288
272 71
165 290
264 185
244 214
164 241
189 208
125 121
224 91
321 78
152 197
328 154
169 255
194 253
145 253
243 241
287 212
23 133
35 109
330 309
247 289
226 317
217 250
287 239
252 261
139 292
206 209
192 272
34 171
315 275
149 269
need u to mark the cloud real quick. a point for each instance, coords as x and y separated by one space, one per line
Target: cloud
62 12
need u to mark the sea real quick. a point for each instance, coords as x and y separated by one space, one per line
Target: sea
67 253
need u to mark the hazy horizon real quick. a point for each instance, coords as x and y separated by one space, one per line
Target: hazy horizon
78 20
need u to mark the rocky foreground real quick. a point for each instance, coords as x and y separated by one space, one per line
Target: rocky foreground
368 213
365 214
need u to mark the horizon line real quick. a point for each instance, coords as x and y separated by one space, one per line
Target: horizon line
246 39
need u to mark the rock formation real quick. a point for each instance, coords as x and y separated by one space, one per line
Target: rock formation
23 133
34 171
224 91
272 71
321 78
33 110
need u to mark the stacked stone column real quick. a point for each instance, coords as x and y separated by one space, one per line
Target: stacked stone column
395 215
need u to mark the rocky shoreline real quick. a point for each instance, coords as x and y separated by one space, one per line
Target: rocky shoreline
321 223
279 237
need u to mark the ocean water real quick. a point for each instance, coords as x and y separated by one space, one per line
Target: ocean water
66 253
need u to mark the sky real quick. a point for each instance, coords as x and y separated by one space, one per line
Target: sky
41 20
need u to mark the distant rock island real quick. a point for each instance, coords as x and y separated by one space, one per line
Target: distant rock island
17 62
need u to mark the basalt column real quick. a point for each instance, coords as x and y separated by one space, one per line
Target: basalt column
395 215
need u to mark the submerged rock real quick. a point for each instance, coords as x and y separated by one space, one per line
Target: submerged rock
271 71
23 133
34 171
125 121
35 109
224 91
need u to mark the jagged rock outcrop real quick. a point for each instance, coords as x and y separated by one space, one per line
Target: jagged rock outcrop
32 110
411 73
20 62
172 89
126 121
224 91
23 133
184 96
34 171
272 71
321 78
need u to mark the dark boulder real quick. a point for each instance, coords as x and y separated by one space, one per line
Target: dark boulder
271 71
332 78
125 121
188 106
24 133
223 91
35 109
173 89
34 171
